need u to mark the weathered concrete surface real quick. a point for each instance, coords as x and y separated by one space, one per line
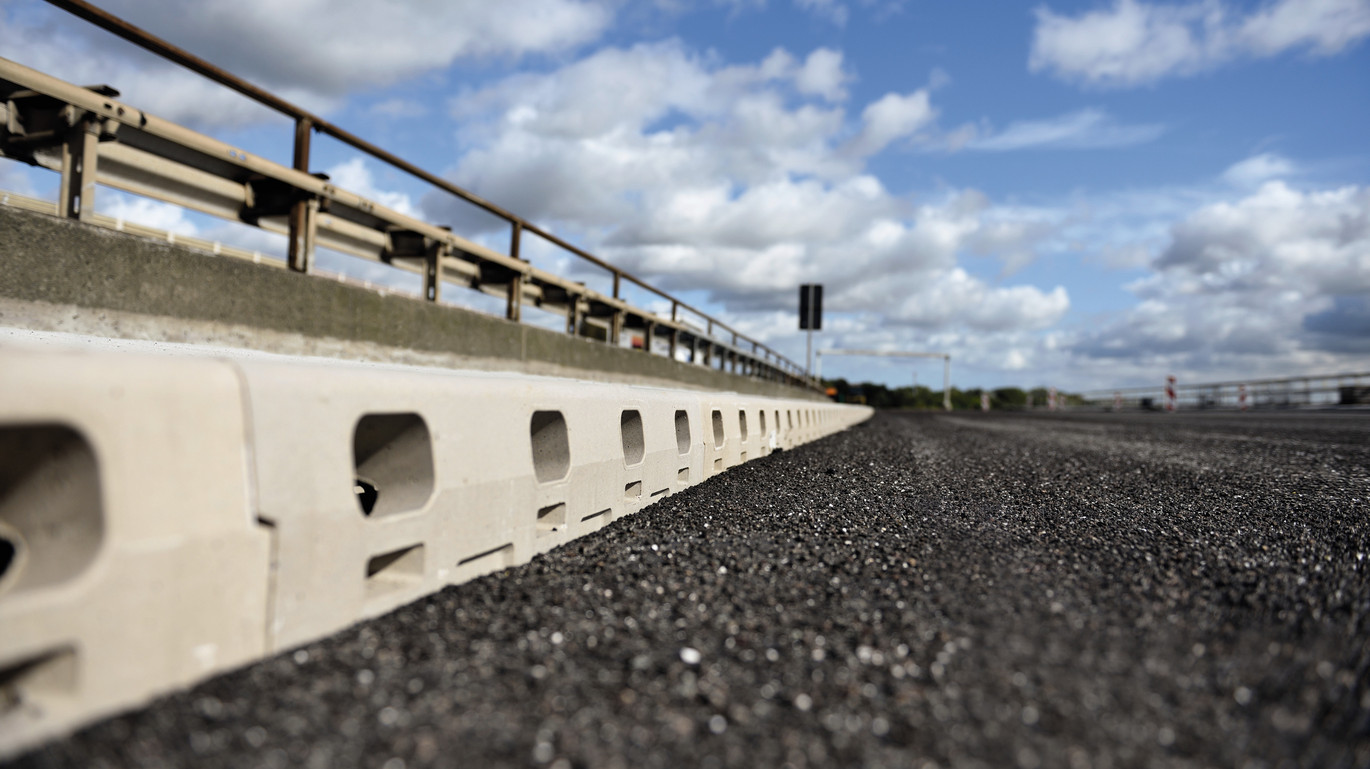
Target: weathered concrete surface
59 275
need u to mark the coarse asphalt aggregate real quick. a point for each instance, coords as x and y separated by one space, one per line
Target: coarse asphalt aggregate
949 590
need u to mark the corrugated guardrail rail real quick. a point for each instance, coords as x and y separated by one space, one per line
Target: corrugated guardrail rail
167 515
89 137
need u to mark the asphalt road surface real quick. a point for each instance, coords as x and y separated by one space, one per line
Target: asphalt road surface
922 590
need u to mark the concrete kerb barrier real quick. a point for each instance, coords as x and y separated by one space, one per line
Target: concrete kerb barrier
213 509
142 569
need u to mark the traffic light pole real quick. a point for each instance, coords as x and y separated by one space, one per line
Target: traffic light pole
808 355
810 318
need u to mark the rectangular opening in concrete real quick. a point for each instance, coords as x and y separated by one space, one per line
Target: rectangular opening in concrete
682 432
551 446
683 475
660 493
552 519
392 463
51 507
495 557
718 465
395 570
630 426
602 514
719 436
633 490
742 424
29 679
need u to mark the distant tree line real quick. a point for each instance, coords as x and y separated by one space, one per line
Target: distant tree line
920 397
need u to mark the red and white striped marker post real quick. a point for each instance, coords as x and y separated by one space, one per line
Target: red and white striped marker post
1117 401
1051 399
1170 393
1241 397
984 401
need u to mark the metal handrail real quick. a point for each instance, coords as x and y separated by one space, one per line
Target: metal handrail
1278 391
1144 389
306 121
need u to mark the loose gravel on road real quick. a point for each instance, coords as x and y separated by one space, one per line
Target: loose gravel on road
1083 590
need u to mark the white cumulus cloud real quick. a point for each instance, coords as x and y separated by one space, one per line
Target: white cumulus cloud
894 116
344 45
742 181
1277 280
305 51
1133 42
822 74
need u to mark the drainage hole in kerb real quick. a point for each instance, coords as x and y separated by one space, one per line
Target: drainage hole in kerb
551 519
392 452
8 553
26 682
367 494
682 431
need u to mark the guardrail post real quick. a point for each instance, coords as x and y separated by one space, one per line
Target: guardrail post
675 333
514 308
432 271
649 329
80 153
573 316
301 248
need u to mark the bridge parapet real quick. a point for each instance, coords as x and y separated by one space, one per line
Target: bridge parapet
62 275
93 140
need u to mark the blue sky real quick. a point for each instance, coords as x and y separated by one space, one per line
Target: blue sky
1081 194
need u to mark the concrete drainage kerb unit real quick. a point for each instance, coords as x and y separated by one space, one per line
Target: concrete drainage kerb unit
166 516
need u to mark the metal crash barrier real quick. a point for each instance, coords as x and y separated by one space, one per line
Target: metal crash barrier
91 138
